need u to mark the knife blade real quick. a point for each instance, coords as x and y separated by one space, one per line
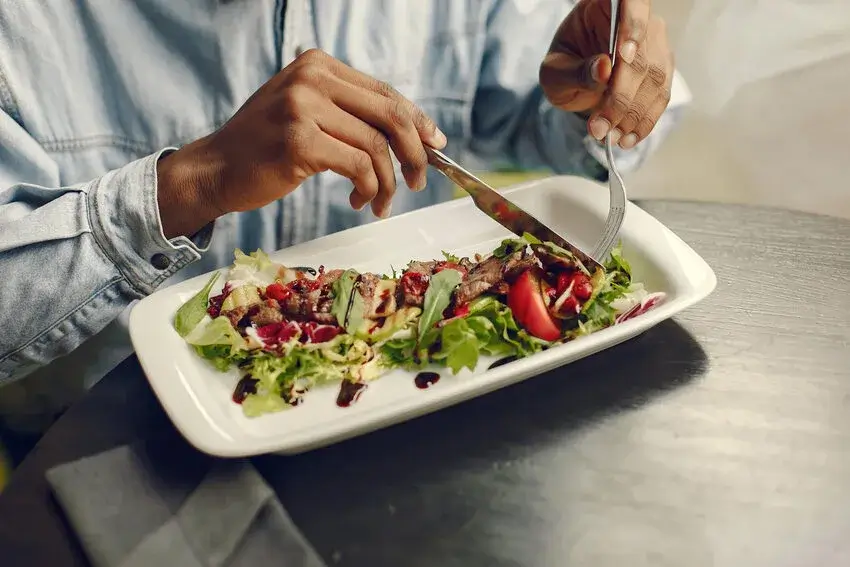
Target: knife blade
502 210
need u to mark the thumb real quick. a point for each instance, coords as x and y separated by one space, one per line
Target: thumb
564 76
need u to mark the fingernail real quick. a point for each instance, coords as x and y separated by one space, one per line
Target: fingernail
628 51
615 136
440 139
599 128
629 141
594 70
386 211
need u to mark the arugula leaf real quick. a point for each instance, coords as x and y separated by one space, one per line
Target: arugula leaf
450 257
508 247
193 311
437 298
348 306
530 238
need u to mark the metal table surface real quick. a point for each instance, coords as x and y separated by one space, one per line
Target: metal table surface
720 438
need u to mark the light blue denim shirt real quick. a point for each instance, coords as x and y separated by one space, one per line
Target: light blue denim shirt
92 91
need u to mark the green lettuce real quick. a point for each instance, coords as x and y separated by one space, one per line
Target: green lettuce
348 306
488 329
437 299
193 311
255 267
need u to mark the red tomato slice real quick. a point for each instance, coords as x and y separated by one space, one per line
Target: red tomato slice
529 308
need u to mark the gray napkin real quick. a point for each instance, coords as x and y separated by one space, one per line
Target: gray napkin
141 505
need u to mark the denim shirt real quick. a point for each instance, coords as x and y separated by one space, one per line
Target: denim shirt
92 91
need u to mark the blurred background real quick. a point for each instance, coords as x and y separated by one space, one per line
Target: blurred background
770 120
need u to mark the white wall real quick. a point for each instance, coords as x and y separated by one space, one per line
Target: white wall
771 116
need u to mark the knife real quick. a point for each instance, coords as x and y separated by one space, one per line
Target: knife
502 210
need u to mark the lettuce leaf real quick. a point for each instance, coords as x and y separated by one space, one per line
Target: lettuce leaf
437 299
256 268
348 306
489 329
194 310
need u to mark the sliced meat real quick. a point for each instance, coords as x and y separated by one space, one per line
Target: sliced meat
328 278
268 313
500 288
491 275
551 260
517 263
419 267
235 315
481 278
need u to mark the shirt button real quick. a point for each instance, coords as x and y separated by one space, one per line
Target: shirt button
160 261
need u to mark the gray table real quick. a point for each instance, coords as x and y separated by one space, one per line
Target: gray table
721 439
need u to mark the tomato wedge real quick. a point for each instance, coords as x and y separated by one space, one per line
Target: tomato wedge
526 302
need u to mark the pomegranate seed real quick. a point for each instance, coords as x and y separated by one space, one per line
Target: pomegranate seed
582 287
277 292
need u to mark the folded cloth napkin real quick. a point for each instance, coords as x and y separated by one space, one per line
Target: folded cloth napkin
145 505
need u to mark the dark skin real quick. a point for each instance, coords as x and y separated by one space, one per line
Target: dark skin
318 114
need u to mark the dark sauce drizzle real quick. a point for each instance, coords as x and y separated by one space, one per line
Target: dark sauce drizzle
349 393
245 387
425 380
307 269
502 362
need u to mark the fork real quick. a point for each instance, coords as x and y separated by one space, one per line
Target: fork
616 187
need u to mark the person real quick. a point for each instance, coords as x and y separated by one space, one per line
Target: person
142 142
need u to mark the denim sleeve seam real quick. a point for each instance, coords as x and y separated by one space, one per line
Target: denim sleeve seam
182 262
42 336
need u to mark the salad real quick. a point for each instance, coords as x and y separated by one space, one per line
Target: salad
290 329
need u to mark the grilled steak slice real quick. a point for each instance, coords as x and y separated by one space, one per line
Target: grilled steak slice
551 260
328 278
267 314
517 263
235 315
481 278
491 275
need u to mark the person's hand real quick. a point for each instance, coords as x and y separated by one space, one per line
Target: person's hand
576 75
316 115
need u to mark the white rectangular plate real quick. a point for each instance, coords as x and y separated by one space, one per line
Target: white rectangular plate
197 397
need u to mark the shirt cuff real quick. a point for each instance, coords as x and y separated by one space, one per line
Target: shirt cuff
124 214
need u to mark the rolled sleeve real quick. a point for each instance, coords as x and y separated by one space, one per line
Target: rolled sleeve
125 221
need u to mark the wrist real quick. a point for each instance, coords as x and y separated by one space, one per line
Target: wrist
186 182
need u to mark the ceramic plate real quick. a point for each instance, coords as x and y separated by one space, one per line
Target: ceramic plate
197 397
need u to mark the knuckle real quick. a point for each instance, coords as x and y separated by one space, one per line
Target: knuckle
639 64
383 88
306 75
378 143
422 121
634 114
312 56
657 75
361 164
620 104
665 96
296 98
399 114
